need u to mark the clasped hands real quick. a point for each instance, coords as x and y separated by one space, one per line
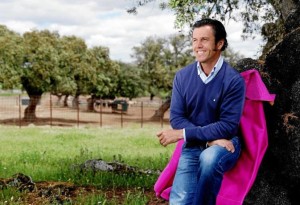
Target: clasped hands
169 136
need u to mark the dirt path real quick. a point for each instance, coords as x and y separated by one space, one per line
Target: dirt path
61 192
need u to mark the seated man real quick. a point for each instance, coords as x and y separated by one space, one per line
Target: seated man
206 107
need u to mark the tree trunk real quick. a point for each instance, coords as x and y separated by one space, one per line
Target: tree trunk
151 96
59 96
29 112
75 102
159 114
90 104
66 101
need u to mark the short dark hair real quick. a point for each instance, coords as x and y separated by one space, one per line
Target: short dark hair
218 27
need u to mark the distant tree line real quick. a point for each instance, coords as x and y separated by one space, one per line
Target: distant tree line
43 61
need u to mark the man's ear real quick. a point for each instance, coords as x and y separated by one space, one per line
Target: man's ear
220 44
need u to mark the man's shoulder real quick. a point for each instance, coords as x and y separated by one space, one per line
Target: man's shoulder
230 71
232 78
187 69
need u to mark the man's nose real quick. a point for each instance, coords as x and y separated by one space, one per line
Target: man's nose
199 44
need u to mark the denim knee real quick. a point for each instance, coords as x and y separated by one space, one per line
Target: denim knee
209 161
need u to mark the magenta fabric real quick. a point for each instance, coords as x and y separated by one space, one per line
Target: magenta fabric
164 182
238 181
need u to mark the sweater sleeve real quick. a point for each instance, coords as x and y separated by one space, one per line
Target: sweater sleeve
231 109
178 119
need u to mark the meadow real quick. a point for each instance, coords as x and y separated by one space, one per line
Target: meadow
52 155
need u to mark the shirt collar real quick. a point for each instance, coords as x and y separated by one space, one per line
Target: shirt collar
213 73
216 68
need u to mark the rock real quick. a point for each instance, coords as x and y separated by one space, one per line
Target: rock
295 97
283 61
19 181
292 22
247 64
278 180
96 165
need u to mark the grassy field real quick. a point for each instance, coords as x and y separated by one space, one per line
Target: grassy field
50 154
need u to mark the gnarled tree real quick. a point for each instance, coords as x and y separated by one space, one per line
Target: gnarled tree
40 68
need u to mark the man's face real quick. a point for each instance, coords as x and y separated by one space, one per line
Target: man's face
204 45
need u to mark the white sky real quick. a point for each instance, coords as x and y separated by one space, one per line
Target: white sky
106 23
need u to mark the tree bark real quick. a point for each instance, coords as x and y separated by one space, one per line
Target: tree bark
90 103
66 101
75 102
151 96
159 114
59 96
29 112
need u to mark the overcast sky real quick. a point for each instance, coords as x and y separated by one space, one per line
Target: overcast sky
105 23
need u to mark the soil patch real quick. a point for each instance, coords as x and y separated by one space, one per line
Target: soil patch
52 192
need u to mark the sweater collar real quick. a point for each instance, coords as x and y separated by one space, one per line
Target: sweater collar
213 73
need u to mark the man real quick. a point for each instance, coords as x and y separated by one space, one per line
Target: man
206 107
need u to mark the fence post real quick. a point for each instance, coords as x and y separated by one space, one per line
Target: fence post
122 117
100 112
50 110
19 110
162 117
142 113
77 113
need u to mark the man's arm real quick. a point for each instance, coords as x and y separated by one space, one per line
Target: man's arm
167 137
178 118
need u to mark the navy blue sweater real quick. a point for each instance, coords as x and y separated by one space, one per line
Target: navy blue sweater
207 111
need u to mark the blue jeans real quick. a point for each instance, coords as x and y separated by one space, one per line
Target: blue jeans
200 172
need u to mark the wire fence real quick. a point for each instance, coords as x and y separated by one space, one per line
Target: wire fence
52 111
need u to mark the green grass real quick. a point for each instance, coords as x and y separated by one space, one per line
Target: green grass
45 153
136 198
9 196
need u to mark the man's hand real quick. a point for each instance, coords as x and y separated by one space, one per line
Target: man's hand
223 143
167 137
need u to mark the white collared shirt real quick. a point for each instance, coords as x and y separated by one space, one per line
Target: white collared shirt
213 73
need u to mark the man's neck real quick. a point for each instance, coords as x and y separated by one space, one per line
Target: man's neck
207 67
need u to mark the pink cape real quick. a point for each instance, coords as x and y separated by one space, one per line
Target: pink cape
238 181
